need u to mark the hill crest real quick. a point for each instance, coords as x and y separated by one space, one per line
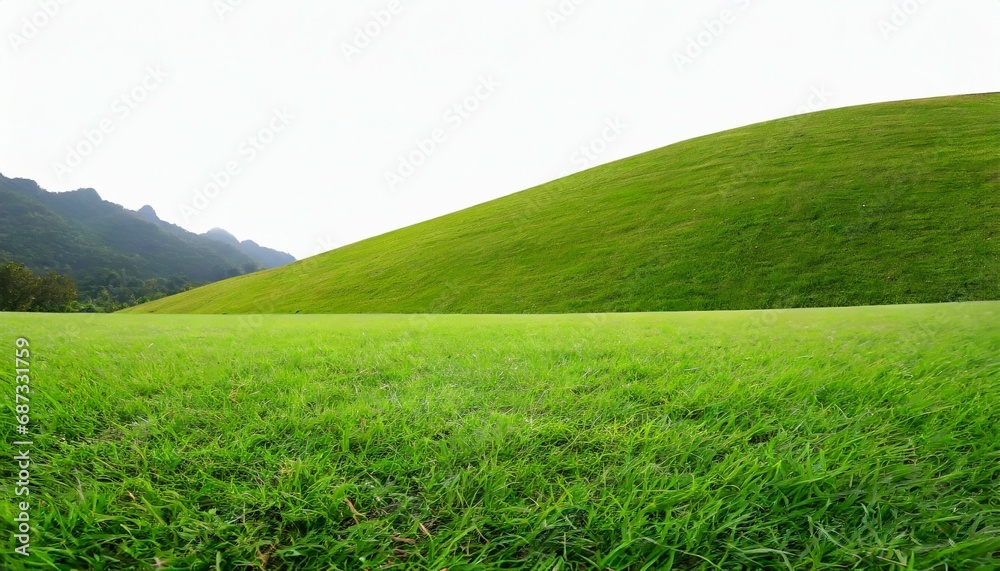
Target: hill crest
877 204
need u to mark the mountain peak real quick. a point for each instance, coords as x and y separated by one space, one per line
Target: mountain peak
148 214
222 236
266 257
85 193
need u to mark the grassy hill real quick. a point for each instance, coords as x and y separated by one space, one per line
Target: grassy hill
878 204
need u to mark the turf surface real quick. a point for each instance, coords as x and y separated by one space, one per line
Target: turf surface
807 439
879 204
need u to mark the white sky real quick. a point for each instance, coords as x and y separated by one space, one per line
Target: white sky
321 181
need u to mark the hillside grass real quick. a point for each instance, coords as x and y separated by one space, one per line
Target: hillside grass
864 438
880 204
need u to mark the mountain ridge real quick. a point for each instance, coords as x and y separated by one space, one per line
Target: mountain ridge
102 244
267 257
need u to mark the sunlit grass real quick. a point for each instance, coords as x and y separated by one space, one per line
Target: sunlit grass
880 204
810 439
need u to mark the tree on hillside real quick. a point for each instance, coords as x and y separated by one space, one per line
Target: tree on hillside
18 287
20 290
55 294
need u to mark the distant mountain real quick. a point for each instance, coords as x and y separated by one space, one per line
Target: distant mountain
148 214
97 242
266 257
223 236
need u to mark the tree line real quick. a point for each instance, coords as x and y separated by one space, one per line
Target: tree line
22 290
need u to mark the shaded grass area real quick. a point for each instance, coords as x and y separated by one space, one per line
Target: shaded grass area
805 439
878 204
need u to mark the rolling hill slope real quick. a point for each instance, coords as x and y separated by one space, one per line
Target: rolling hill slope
877 204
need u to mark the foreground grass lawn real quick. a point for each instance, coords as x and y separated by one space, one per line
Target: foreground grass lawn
814 439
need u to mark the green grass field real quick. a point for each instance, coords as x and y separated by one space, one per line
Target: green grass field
802 439
879 204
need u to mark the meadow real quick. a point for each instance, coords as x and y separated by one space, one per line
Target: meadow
852 438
